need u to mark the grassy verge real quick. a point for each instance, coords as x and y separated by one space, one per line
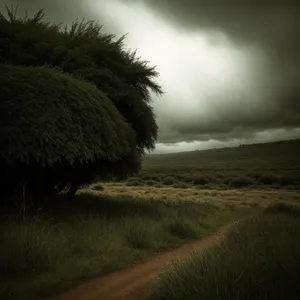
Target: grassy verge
62 244
259 258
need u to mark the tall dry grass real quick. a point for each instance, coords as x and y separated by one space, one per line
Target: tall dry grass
259 258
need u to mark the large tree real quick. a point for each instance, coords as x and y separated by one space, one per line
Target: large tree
75 104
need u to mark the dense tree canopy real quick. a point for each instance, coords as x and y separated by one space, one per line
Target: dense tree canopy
49 111
74 104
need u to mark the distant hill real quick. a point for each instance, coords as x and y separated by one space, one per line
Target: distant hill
274 155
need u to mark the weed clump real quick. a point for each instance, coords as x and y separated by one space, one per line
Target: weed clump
168 181
135 181
242 181
182 228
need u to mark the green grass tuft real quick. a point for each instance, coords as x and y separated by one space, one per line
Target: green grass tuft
183 228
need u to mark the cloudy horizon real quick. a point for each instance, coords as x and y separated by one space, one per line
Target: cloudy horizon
229 72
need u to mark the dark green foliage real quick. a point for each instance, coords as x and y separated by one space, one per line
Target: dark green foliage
287 180
200 180
135 181
259 258
260 166
242 181
221 179
150 182
79 131
181 185
182 228
57 117
269 178
167 181
95 56
71 131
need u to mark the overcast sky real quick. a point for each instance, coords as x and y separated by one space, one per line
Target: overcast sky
229 69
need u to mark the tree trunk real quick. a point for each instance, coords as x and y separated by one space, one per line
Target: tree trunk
73 189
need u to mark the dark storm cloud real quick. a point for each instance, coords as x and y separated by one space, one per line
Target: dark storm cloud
271 26
235 120
263 95
62 11
57 11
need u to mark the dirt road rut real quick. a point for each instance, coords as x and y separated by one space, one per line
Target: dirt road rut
131 283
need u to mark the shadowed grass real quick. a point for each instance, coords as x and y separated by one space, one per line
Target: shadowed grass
259 258
66 243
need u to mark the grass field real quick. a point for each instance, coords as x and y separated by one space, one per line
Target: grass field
262 166
66 243
258 258
57 244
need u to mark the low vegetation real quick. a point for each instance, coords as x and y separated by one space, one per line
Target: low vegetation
258 258
53 246
262 166
187 177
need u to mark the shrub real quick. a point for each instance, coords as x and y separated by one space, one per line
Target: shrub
269 178
259 258
137 232
181 185
283 208
198 179
241 181
287 180
168 181
155 177
98 187
150 182
227 180
41 147
254 175
182 228
188 178
158 185
134 181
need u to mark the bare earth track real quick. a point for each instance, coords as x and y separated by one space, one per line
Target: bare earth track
131 283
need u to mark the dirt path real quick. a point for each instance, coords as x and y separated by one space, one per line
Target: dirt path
131 283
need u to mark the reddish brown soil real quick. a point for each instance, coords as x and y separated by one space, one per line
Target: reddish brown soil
131 283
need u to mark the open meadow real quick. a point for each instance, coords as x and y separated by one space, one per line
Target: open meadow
261 166
59 243
256 258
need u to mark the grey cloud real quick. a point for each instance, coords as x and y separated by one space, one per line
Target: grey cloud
241 114
64 11
274 24
271 28
260 137
57 11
